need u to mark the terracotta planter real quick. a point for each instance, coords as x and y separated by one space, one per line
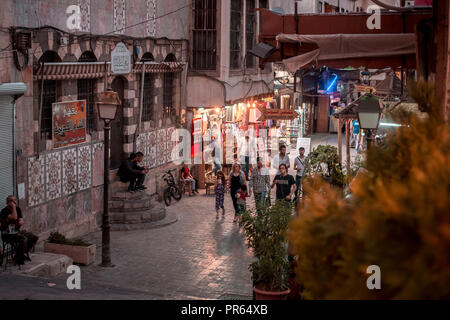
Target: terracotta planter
270 295
79 254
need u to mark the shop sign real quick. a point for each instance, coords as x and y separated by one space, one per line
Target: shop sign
305 143
277 114
69 123
368 89
120 59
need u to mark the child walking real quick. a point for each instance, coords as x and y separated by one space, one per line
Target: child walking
241 196
220 192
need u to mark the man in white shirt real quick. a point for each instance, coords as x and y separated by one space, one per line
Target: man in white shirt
299 165
282 157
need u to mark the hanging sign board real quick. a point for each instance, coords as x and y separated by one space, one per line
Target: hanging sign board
120 59
277 114
69 123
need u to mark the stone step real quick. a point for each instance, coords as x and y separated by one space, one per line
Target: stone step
44 264
131 205
157 212
123 194
170 218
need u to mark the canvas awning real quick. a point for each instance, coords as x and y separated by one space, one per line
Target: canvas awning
92 70
347 46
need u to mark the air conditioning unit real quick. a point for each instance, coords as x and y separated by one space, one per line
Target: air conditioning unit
409 3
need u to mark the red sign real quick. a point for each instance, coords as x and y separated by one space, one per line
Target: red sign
69 123
197 131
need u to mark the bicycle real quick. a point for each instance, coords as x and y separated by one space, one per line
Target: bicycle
172 190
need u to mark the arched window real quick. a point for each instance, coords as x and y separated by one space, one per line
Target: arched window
86 91
168 89
149 96
51 91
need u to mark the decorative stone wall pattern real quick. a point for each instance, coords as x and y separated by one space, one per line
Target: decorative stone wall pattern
170 144
161 147
36 181
152 149
85 9
84 167
53 175
70 183
119 16
97 164
151 14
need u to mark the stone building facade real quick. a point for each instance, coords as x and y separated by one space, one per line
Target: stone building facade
62 188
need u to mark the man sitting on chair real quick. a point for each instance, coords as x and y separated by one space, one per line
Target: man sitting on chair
11 221
130 171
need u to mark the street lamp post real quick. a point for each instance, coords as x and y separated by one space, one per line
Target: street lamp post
107 108
369 113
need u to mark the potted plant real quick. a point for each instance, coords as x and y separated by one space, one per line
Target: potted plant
266 236
80 251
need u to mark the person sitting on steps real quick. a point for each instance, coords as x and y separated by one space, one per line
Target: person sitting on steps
130 171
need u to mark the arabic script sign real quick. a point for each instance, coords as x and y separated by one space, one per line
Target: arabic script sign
120 59
69 123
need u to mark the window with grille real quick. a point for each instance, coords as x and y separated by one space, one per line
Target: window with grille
86 92
149 98
204 35
168 94
250 26
235 34
49 96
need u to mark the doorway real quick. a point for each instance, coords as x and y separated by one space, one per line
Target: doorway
117 156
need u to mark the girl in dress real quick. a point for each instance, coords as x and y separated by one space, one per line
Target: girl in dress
220 192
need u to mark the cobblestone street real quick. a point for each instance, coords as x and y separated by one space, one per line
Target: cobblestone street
196 257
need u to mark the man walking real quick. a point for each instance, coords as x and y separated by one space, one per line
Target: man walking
299 165
260 184
281 158
285 184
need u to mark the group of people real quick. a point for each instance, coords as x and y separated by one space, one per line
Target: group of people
242 184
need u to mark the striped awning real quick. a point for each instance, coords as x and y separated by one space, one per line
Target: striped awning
92 70
71 70
158 67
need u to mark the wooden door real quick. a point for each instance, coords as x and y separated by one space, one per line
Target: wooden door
323 109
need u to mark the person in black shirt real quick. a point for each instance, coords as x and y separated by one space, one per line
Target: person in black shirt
23 241
285 184
130 171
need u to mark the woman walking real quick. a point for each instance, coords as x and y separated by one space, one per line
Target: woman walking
236 180
220 192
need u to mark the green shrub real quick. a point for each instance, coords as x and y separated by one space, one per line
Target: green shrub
266 236
56 237
398 218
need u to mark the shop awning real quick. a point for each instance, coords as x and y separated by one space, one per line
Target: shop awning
347 46
321 32
92 70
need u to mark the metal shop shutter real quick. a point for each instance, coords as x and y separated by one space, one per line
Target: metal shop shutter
6 148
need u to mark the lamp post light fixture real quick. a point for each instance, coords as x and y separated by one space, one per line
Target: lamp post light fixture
107 104
369 114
